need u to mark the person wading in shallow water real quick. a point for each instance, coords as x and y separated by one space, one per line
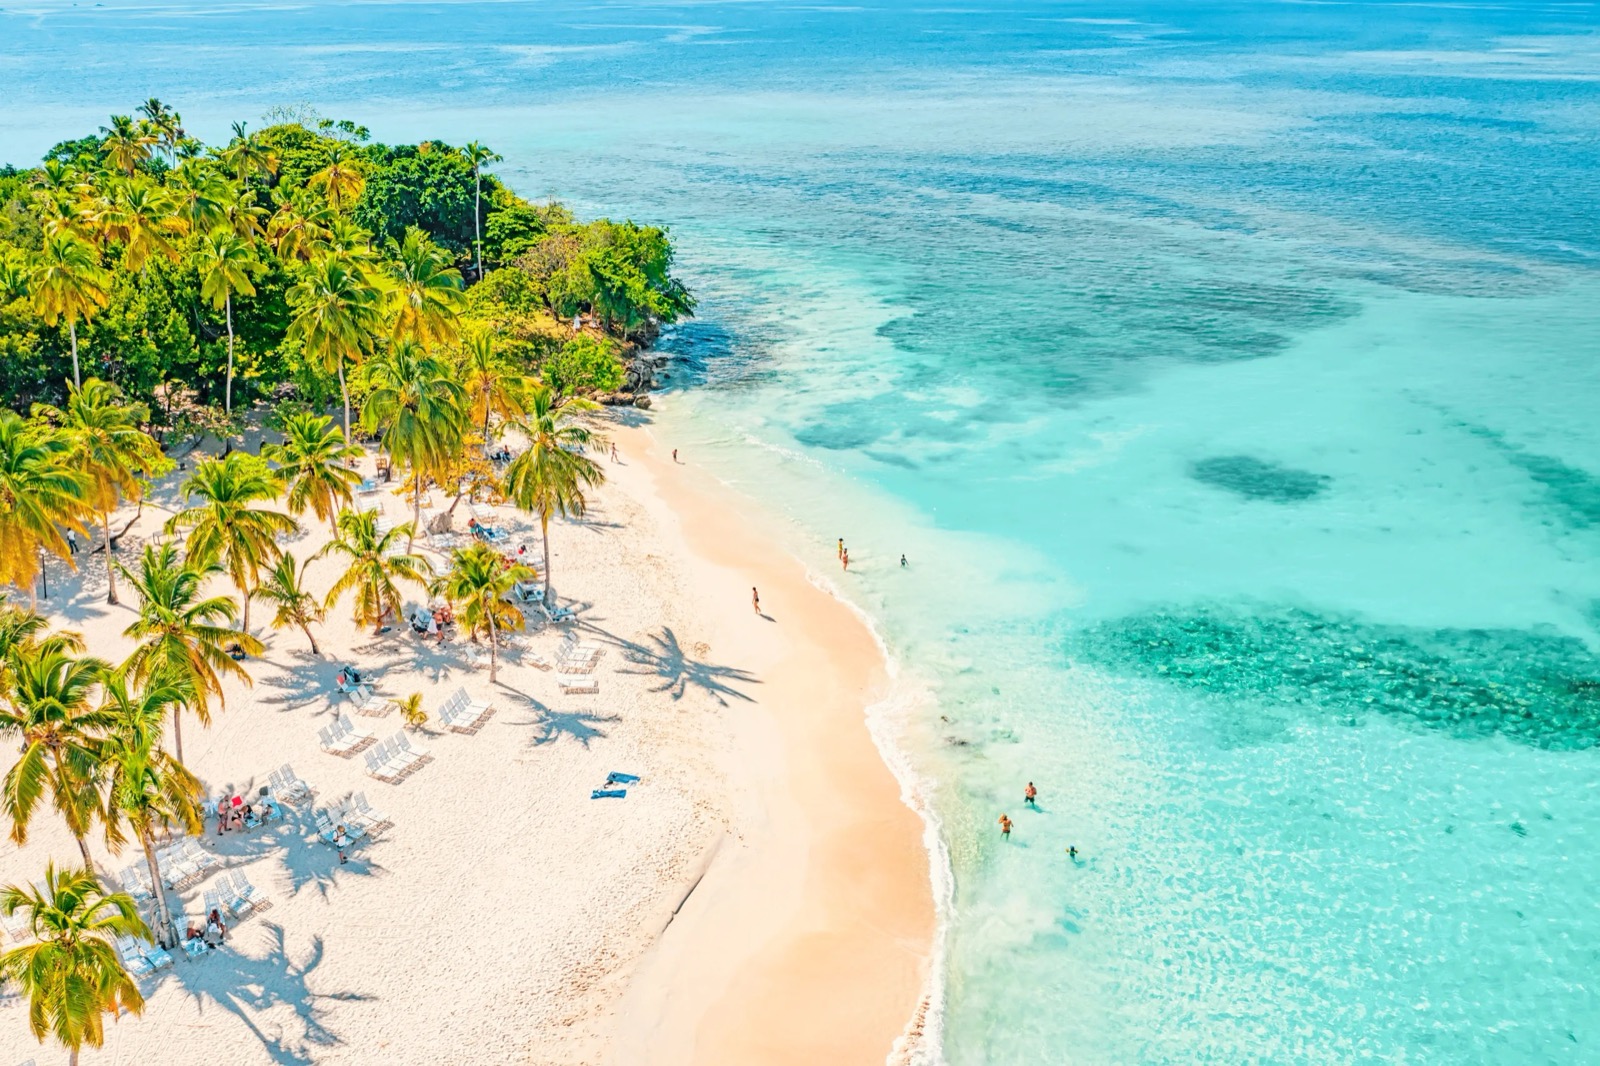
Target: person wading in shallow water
1005 827
1030 795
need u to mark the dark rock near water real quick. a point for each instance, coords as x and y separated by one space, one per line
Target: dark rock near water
642 402
1259 479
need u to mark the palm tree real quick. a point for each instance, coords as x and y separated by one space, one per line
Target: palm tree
146 787
226 261
68 283
478 582
417 404
125 144
341 181
376 563
224 528
50 710
494 386
478 156
241 213
337 313
72 975
285 588
110 450
27 632
139 213
315 461
299 223
246 157
166 124
549 478
39 493
412 713
425 290
199 196
184 638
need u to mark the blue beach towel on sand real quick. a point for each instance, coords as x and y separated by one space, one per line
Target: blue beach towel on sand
614 778
608 793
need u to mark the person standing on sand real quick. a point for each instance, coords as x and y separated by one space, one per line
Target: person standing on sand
339 841
1005 828
674 455
613 451
72 541
755 599
1029 795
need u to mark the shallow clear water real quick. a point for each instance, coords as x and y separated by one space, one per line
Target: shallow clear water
1228 377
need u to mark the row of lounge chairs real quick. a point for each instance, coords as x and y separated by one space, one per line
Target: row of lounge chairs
357 816
287 786
575 663
185 863
343 738
141 959
395 759
235 894
464 715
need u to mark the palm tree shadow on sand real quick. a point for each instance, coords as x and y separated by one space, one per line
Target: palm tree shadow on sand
247 985
679 671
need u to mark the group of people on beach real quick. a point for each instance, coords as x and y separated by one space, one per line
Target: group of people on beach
1030 798
214 932
233 813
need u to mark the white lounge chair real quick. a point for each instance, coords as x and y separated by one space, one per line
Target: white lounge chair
374 818
575 683
243 889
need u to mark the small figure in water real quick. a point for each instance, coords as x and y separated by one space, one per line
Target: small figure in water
844 558
841 547
902 560
1005 827
1029 795
1072 852
755 599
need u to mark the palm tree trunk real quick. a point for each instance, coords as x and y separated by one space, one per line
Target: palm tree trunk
416 511
244 617
72 332
486 413
477 214
227 393
307 631
492 642
111 571
177 729
167 935
544 531
344 390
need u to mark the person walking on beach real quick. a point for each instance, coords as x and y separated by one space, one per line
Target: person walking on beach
1029 795
1005 828
755 599
72 541
674 455
339 841
614 451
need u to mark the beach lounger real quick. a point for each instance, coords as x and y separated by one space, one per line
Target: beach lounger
133 959
576 683
286 785
614 778
258 900
528 592
609 793
374 818
556 615
135 882
416 756
463 714
379 766
367 703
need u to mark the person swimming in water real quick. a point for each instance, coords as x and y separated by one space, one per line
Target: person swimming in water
1072 852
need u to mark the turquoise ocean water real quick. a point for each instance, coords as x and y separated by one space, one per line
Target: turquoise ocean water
1229 375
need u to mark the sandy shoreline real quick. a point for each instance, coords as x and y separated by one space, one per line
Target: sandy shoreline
506 916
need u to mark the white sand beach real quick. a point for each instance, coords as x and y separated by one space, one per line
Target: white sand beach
505 916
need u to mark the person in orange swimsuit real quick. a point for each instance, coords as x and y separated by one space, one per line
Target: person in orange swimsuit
1005 827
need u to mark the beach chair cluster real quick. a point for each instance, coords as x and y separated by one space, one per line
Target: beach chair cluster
185 863
17 927
575 664
358 817
395 759
342 737
364 701
135 881
141 959
461 714
287 786
234 894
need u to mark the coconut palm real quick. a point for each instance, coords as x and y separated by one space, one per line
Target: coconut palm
300 221
376 563
418 406
69 285
50 710
225 262
338 310
478 155
315 461
125 144
72 975
424 291
478 582
493 385
198 198
28 632
412 713
166 124
285 588
183 637
225 527
39 493
341 181
110 450
246 157
549 478
241 213
138 213
147 788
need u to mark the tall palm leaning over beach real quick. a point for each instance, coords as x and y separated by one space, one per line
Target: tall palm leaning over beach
146 787
50 709
110 450
285 588
68 284
225 527
225 262
375 565
478 583
479 156
549 478
317 464
419 407
337 312
39 493
183 637
72 976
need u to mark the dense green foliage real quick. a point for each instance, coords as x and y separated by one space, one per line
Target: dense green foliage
149 213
